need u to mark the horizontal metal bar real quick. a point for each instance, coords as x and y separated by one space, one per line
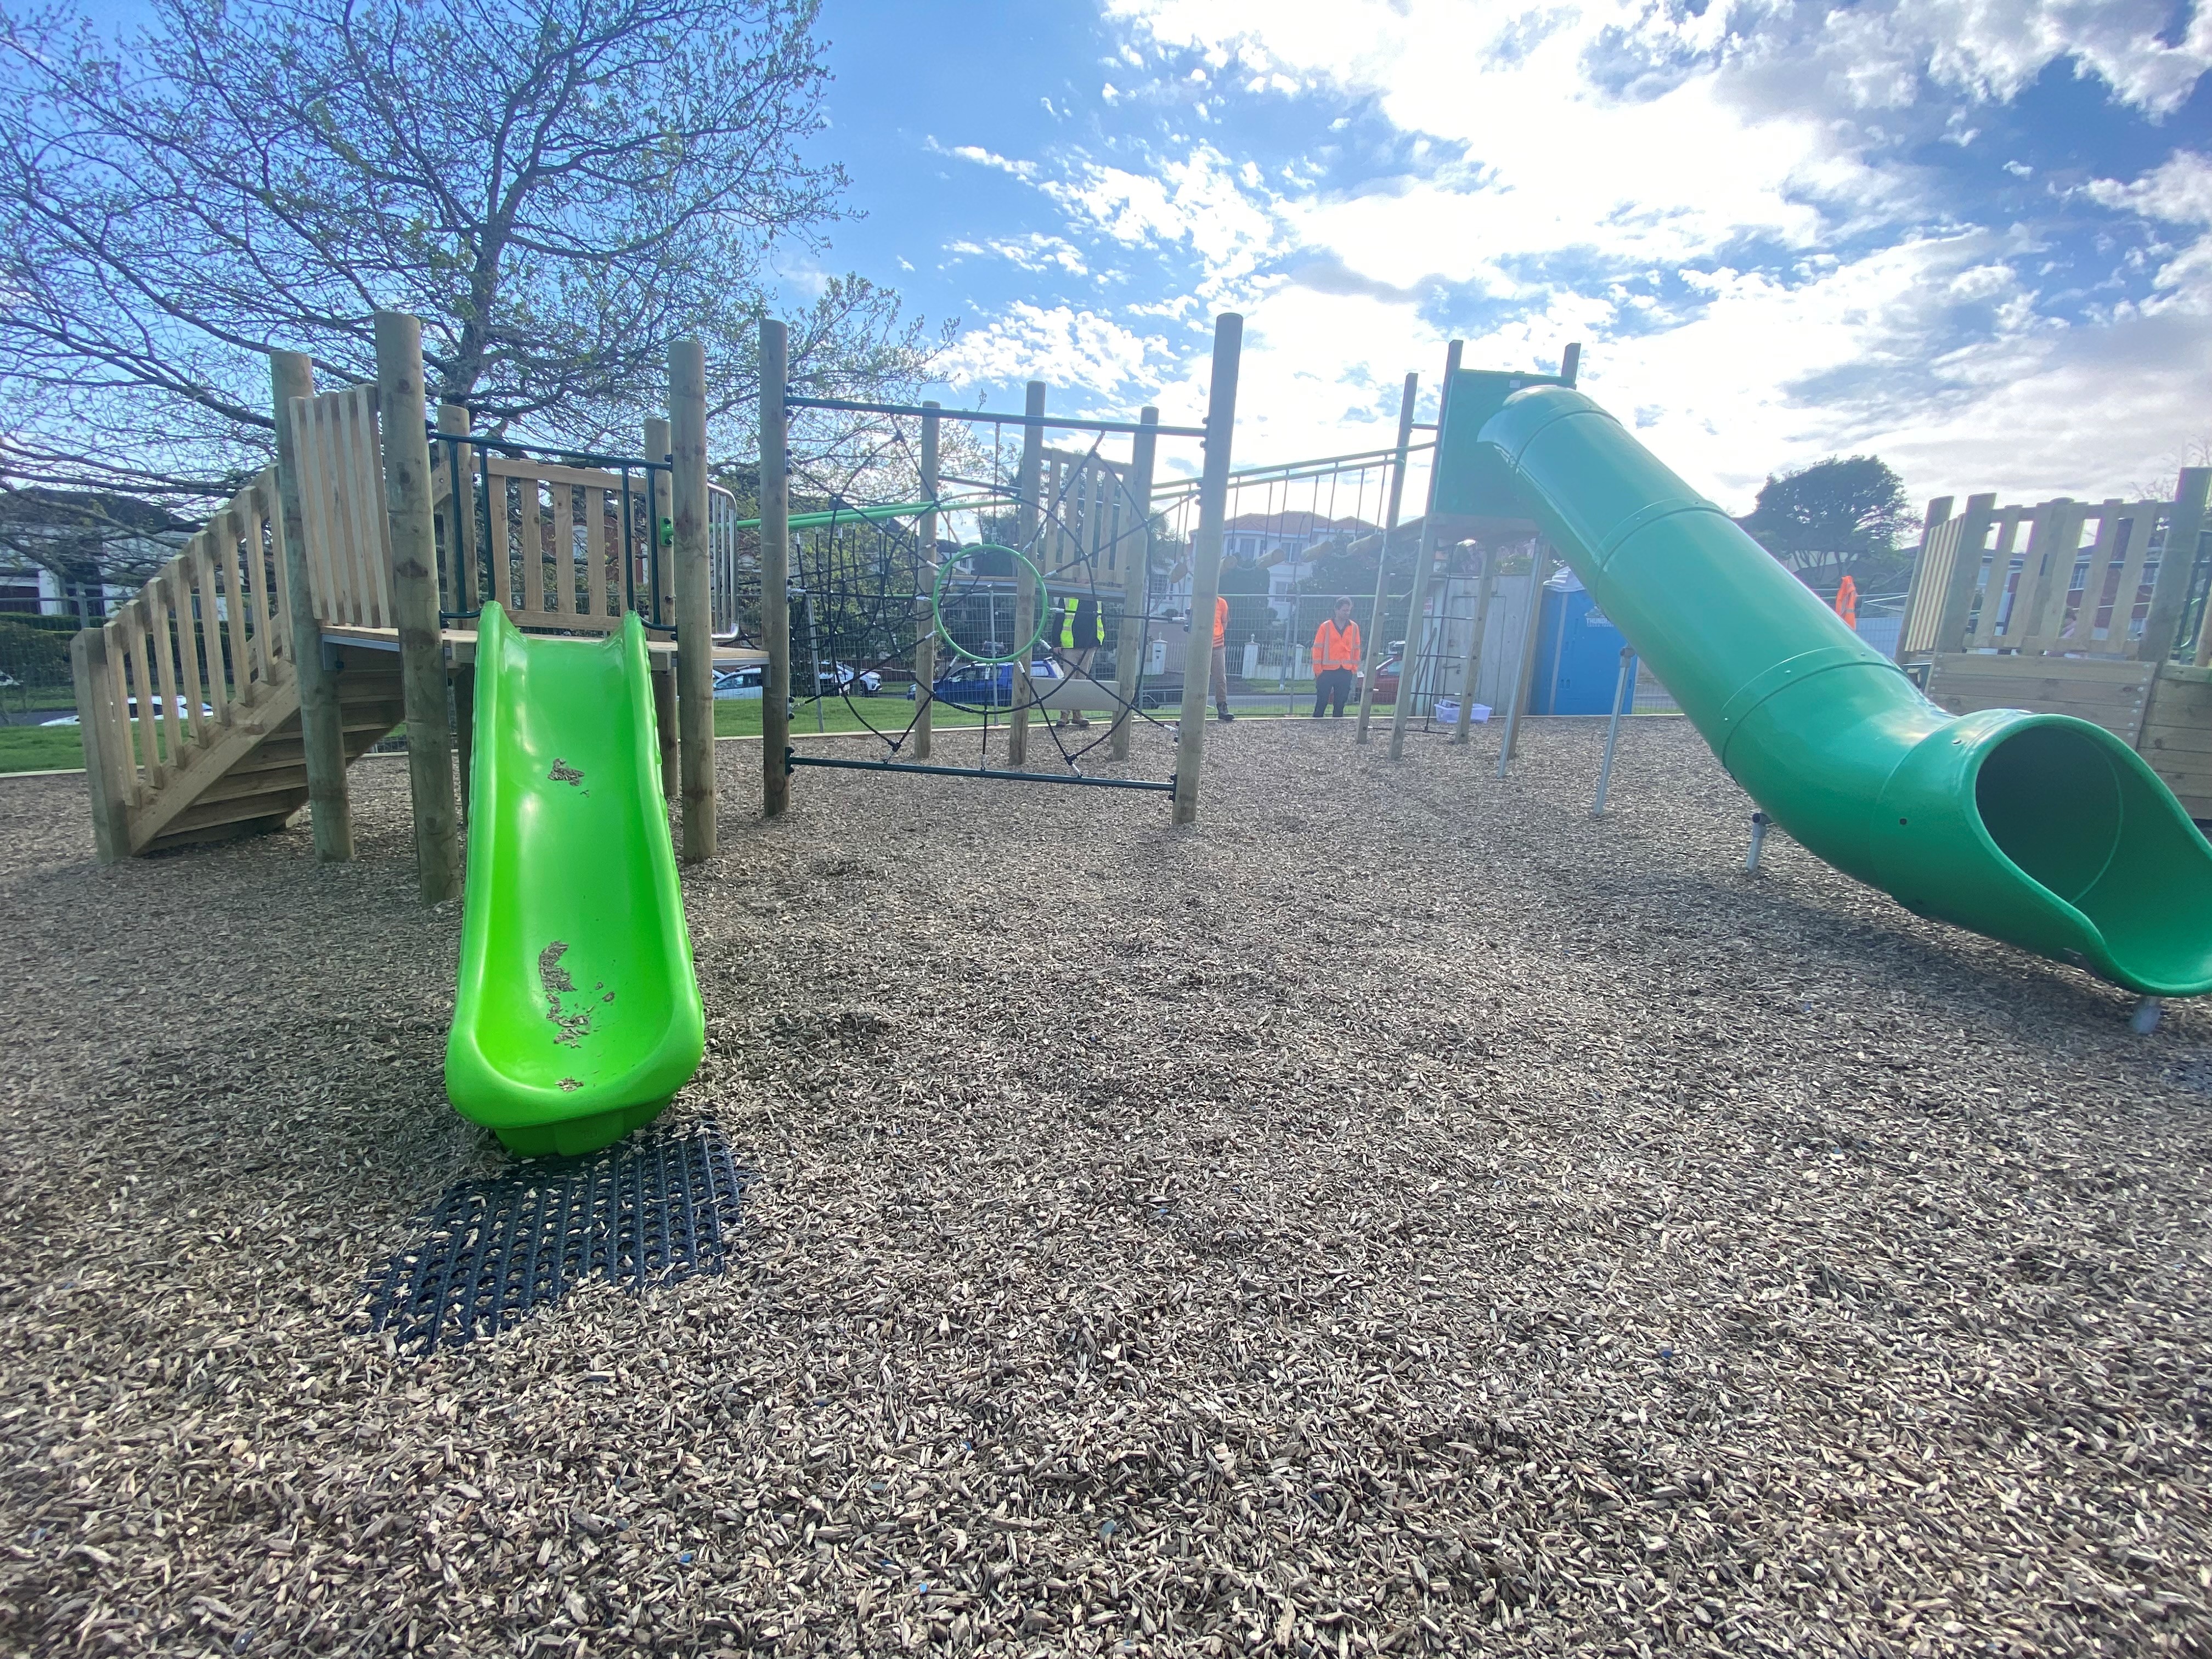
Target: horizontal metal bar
985 418
1287 469
791 759
869 514
581 457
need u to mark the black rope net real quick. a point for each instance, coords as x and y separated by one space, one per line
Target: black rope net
866 591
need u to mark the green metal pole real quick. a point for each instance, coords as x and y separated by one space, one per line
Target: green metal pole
1371 646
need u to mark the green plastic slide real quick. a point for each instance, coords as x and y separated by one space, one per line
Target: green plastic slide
577 1013
2042 830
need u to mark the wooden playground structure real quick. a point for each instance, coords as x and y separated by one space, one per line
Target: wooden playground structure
2093 609
335 600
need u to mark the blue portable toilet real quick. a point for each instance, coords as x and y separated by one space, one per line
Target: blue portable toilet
1577 654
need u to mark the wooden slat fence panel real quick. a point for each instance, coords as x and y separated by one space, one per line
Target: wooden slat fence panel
1930 585
557 555
2107 691
1081 504
2064 578
342 504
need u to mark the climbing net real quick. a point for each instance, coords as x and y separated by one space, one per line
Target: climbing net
1053 569
1033 573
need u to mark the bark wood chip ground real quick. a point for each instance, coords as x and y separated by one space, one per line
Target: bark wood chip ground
1405 1215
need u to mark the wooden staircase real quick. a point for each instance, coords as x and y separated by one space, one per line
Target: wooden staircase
188 700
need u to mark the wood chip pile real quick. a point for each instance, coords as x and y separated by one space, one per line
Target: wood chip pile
1405 1215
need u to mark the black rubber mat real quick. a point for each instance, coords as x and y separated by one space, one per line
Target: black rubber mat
646 1210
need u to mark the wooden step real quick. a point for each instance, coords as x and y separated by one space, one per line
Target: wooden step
240 784
271 805
237 830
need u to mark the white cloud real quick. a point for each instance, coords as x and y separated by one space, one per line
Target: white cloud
981 157
1195 201
1034 251
1061 345
1756 154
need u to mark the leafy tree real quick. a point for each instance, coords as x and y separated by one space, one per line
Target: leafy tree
557 187
1835 518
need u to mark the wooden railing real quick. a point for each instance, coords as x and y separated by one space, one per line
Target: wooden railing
560 535
1092 524
203 643
342 508
2062 578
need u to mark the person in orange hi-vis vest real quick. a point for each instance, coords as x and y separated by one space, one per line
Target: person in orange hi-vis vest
1220 687
1847 602
1335 659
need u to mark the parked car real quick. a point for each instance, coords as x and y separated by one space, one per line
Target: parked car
735 682
843 679
988 685
1386 678
131 711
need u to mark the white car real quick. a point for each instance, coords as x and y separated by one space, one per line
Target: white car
207 713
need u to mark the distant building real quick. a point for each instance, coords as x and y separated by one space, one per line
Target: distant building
1292 536
66 553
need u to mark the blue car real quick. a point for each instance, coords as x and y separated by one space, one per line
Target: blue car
988 685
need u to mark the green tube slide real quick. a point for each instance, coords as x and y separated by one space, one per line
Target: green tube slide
577 1013
2042 830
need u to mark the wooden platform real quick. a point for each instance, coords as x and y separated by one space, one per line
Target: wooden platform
2106 691
461 648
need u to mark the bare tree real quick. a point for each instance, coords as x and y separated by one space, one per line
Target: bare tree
557 187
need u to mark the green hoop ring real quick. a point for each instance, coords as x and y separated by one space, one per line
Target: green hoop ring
1019 654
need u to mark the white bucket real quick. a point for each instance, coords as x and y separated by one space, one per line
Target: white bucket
1447 712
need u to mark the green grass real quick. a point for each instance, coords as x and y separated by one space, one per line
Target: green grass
742 718
53 749
40 748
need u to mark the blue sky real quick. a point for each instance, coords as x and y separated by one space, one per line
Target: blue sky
1973 236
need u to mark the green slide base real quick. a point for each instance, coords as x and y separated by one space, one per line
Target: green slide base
576 1012
575 1136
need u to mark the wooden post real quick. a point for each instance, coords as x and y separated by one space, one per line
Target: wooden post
458 464
1136 583
1372 643
322 722
660 564
695 612
104 766
1939 510
656 615
925 607
2169 594
401 408
1426 555
775 573
464 732
665 725
1489 587
1027 523
1965 566
1540 572
1205 568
